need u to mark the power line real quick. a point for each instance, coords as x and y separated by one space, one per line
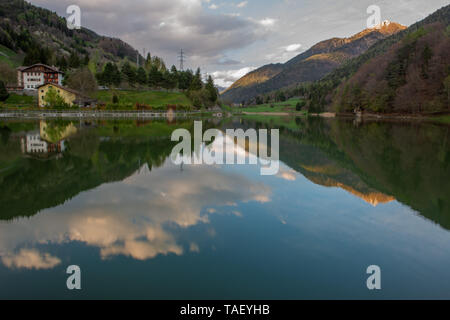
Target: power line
182 59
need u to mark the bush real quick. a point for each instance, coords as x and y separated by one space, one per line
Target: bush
300 105
54 101
3 92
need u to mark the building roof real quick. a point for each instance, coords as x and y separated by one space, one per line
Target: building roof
54 69
79 95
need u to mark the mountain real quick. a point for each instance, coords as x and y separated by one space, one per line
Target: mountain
407 72
411 76
24 27
220 89
311 65
243 87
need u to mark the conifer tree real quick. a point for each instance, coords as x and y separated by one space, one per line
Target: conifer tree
3 92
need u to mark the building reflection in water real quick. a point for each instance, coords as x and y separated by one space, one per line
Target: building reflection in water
33 145
48 141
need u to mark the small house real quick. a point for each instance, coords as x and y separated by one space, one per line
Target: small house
71 97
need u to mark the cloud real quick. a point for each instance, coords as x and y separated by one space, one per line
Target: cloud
193 247
165 26
268 22
242 4
130 218
209 29
284 53
30 259
227 62
228 77
293 47
287 174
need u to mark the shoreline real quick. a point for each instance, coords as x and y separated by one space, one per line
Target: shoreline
271 114
134 114
33 114
433 117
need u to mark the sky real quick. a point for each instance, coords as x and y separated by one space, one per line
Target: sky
227 38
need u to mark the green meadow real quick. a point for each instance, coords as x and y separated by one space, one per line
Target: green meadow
150 98
277 107
10 57
19 101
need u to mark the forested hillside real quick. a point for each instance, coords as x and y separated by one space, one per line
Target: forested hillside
412 76
407 72
311 65
40 35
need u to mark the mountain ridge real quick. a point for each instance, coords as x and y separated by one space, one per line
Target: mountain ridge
328 55
328 93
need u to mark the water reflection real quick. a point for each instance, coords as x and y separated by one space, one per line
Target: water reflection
129 217
48 141
110 186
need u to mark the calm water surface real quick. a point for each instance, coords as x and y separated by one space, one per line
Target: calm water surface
105 196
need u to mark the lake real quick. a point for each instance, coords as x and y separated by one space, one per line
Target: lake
105 196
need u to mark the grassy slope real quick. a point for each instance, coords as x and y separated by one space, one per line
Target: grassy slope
15 100
287 106
10 57
151 98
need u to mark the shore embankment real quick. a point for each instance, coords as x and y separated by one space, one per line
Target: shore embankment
33 114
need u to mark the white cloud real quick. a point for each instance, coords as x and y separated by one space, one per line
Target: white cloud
293 47
268 22
242 4
287 174
228 77
30 259
282 54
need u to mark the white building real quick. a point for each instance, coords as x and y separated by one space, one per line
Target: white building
30 78
33 144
